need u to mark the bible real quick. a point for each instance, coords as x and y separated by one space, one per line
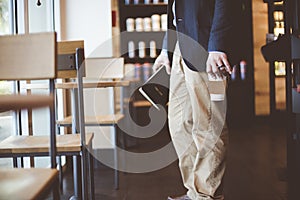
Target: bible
156 88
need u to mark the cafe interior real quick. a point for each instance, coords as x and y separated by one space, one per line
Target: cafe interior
74 123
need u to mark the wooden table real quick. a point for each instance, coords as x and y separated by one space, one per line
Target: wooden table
96 84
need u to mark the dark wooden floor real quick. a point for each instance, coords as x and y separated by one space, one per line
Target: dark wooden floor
255 170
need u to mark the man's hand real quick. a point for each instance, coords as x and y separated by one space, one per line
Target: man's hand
162 60
217 64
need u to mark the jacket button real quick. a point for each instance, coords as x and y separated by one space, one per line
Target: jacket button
179 19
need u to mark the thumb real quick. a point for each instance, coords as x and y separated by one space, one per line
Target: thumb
156 66
168 68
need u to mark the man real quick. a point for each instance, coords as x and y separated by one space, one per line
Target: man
197 124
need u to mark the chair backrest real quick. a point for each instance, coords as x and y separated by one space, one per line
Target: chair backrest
66 51
31 57
28 57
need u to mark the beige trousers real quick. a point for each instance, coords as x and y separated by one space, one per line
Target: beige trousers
198 131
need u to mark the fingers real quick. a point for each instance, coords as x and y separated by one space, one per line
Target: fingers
156 66
160 61
168 69
227 66
217 65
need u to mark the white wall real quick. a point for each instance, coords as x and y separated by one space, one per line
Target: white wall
89 20
40 17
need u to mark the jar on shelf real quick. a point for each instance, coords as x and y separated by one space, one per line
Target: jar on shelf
147 24
155 22
130 24
139 24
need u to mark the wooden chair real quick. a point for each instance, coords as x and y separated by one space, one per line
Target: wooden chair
28 57
112 78
70 66
69 144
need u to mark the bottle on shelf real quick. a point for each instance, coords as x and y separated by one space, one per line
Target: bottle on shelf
130 24
147 71
147 24
142 49
164 22
243 69
155 22
139 24
153 49
131 49
127 2
138 71
233 73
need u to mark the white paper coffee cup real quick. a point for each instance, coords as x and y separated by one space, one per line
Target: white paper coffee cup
217 88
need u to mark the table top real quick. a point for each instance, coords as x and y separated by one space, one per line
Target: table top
86 84
20 183
96 84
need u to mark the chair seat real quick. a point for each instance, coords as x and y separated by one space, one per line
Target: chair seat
101 120
20 183
27 145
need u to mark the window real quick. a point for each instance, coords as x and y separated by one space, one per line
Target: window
7 119
4 17
20 17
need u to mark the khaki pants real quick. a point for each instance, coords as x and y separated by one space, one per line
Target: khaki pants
198 131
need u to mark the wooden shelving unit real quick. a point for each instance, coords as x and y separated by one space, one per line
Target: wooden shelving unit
140 10
134 11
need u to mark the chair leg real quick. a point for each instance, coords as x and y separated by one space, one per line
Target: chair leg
91 176
84 165
55 190
60 173
116 159
76 177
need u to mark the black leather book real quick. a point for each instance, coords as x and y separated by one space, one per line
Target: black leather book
156 88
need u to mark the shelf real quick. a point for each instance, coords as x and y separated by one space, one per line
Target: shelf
135 11
142 36
142 10
278 8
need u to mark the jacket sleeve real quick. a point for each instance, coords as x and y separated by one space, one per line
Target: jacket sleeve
170 37
221 26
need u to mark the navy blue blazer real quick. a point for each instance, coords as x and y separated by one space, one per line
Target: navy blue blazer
201 26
